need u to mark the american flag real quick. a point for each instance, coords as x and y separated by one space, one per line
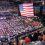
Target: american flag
26 9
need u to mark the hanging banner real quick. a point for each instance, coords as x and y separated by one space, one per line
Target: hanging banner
26 9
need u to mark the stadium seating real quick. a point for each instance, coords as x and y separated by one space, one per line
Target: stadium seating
16 25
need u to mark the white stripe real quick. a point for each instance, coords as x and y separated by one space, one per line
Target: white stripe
23 13
28 15
28 4
28 11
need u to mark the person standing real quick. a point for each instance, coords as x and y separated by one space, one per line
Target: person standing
43 41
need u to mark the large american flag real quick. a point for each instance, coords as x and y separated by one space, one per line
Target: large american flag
26 9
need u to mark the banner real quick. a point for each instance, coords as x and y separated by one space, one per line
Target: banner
26 9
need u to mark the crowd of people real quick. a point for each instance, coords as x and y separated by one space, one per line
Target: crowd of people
14 25
37 39
19 30
8 8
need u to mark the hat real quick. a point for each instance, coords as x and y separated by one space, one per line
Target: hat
27 40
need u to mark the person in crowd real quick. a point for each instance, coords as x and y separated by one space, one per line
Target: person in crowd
30 36
35 36
38 32
40 37
44 35
21 40
43 41
27 41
